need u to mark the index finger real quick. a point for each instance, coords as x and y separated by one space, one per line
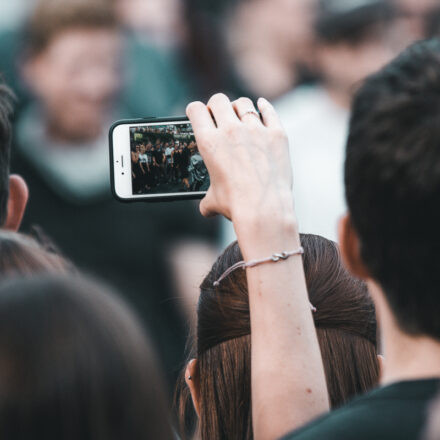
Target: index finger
199 116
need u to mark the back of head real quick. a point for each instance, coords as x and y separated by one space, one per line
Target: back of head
392 177
22 255
345 321
75 364
6 110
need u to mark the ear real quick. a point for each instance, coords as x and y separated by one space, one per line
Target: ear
18 198
350 249
192 381
381 360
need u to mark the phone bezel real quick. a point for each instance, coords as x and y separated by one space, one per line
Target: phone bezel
146 197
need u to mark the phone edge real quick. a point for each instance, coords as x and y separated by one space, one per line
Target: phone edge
112 178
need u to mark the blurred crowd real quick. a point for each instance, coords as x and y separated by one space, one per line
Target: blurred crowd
71 350
78 65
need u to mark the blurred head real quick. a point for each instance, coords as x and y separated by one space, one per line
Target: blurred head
13 190
412 15
221 367
193 147
161 21
22 255
268 40
392 180
142 148
75 364
352 41
72 65
432 23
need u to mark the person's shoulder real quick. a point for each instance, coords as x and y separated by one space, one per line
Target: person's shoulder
381 415
346 423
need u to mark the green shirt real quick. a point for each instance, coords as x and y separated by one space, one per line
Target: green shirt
397 411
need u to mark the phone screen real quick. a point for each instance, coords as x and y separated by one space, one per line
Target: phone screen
165 160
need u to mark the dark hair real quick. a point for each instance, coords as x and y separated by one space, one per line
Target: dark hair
345 322
392 179
6 109
432 23
75 364
52 17
340 21
22 255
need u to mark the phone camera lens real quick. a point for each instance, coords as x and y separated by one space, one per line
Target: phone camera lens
123 173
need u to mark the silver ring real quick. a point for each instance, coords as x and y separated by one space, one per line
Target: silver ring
250 112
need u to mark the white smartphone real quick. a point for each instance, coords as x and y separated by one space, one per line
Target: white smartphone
156 160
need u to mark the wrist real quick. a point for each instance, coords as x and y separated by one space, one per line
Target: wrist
267 233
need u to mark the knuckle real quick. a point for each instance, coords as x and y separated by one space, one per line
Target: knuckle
279 134
204 136
232 129
205 206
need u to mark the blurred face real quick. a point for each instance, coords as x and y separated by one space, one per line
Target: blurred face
267 38
161 20
76 78
411 23
344 66
142 149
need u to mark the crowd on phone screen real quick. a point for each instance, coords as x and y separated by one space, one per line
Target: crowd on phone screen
78 356
163 164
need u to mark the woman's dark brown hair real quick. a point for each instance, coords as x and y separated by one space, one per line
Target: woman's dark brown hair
346 327
23 255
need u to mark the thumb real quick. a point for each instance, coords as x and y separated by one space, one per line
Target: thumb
207 205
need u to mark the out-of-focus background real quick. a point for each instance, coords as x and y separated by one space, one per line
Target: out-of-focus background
78 65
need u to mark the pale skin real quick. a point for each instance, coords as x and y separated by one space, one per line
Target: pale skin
251 184
17 201
288 387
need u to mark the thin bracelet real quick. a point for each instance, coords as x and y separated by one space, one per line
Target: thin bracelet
275 258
